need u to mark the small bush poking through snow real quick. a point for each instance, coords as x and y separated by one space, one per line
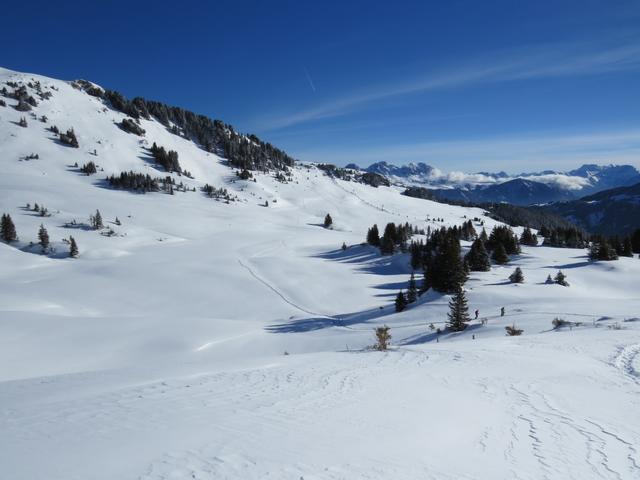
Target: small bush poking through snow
383 337
512 331
559 322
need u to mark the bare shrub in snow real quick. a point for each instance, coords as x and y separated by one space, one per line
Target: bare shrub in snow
383 337
512 331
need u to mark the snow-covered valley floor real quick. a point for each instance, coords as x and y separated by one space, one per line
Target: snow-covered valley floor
215 341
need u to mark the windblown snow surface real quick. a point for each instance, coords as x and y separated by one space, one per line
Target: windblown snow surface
159 353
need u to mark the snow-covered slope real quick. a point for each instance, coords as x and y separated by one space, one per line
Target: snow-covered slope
159 353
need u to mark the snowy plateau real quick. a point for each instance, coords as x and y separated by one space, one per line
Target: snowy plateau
200 339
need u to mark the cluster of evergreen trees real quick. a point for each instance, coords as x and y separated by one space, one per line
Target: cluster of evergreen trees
242 151
139 182
600 249
603 248
502 242
564 237
168 159
217 193
444 269
129 125
69 138
623 246
21 94
89 168
394 237
402 299
41 210
8 234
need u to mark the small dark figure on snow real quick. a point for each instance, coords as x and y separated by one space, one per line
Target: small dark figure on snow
502 312
477 313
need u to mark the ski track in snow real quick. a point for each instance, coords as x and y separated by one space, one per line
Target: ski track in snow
555 435
626 360
278 293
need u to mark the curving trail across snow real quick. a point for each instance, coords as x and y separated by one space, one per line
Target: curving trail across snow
626 361
277 292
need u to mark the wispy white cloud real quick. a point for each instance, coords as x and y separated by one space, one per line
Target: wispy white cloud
515 152
523 63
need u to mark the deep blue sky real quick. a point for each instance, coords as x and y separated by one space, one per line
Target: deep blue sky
469 85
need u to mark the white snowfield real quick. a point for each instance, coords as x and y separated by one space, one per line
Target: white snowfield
159 353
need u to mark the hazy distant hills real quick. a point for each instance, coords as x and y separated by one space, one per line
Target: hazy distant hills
610 211
522 189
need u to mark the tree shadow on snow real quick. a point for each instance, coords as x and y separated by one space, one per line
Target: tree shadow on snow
343 320
347 320
568 266
432 336
370 260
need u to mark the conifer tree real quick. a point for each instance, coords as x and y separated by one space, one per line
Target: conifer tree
8 229
606 252
412 290
446 271
389 239
635 241
483 236
416 254
401 301
427 283
458 311
549 280
561 279
328 221
43 238
467 232
73 248
96 220
478 258
627 248
373 236
601 250
528 238
517 276
499 255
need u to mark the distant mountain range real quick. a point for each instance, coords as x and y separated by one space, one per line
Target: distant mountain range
614 211
522 189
